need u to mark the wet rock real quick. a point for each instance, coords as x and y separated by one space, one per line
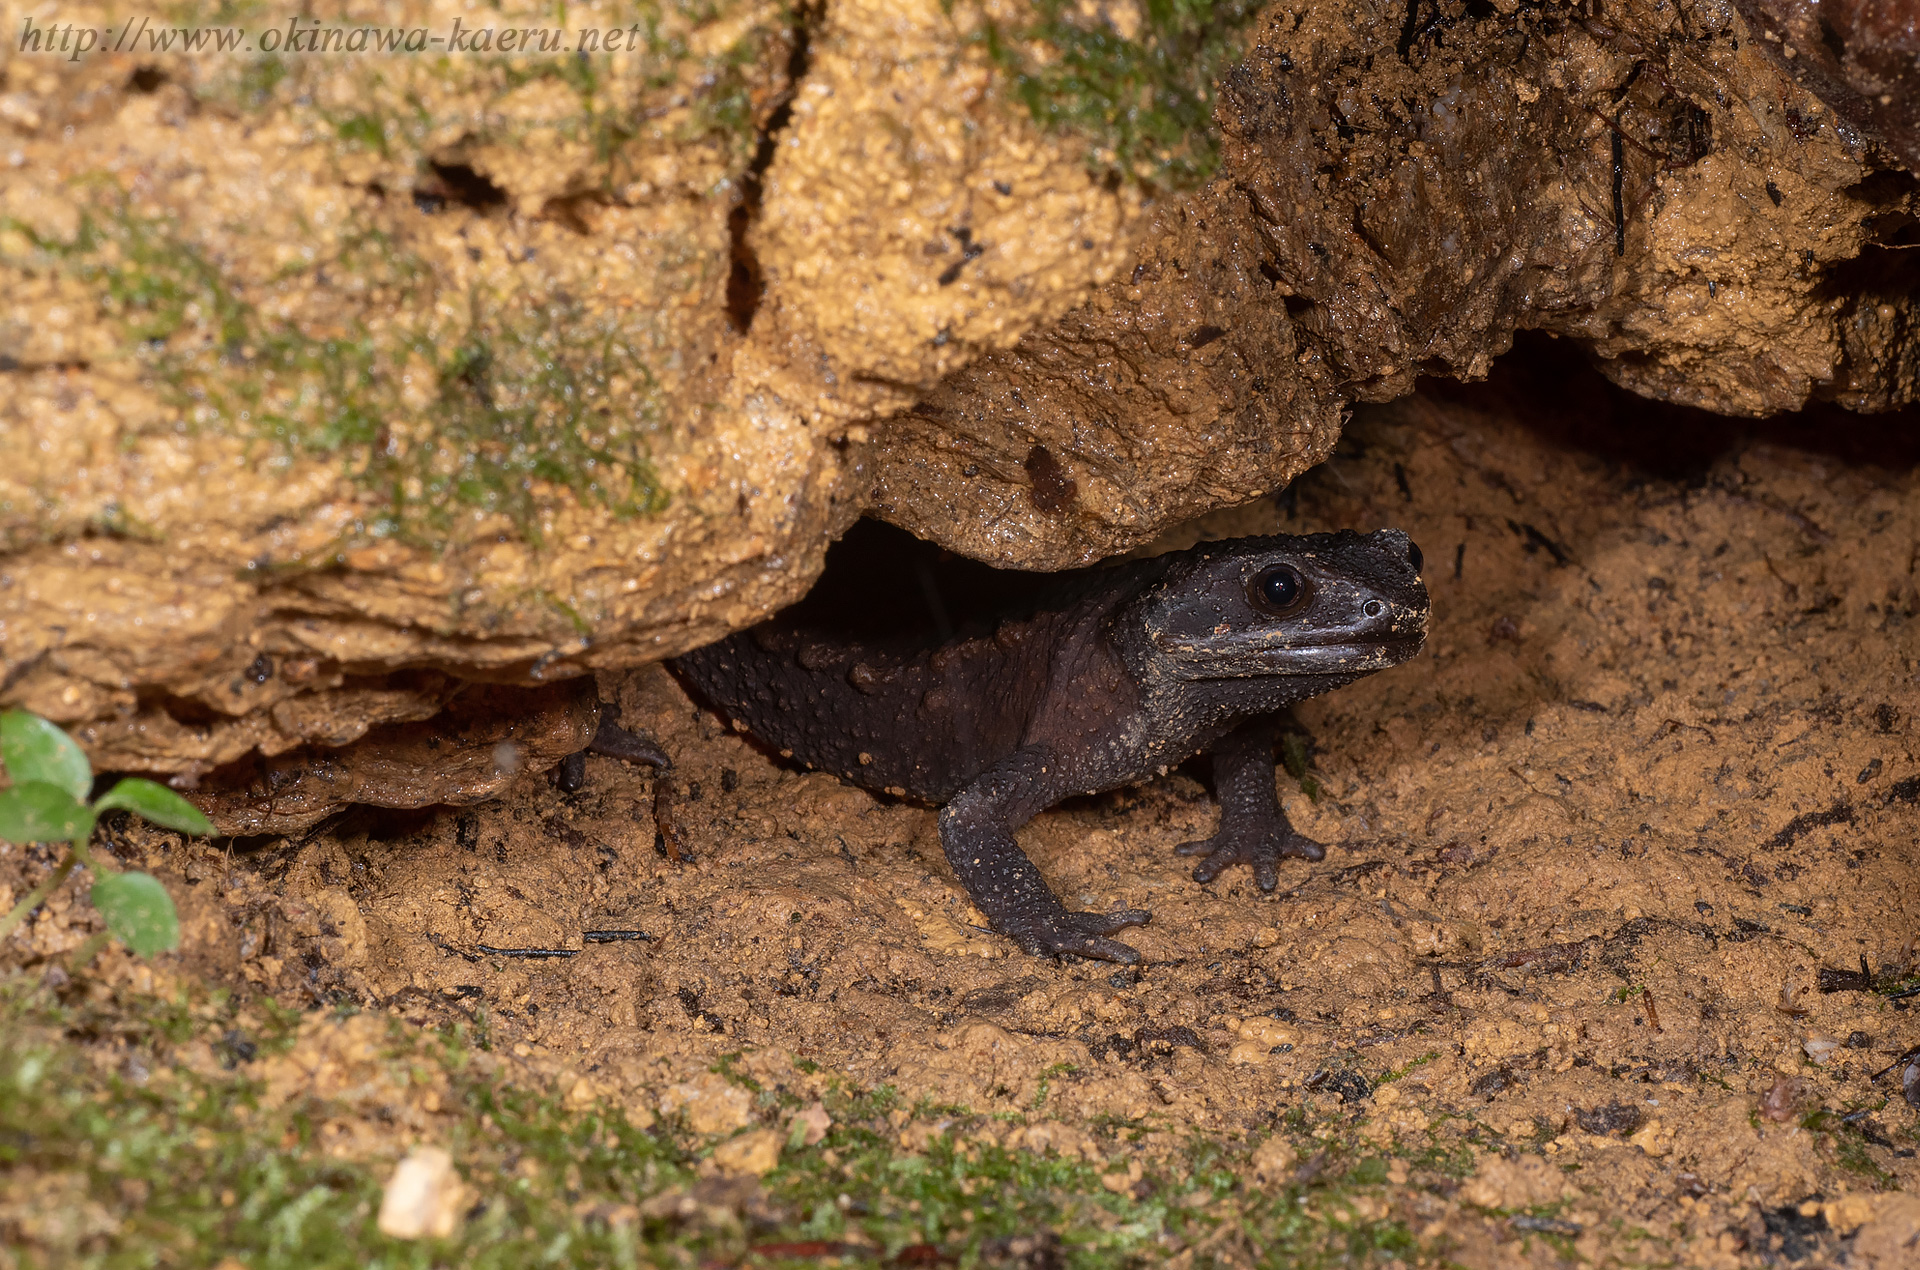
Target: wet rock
486 737
1400 191
1861 57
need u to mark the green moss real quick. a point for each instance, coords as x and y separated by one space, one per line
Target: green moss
1145 104
1401 1073
533 398
258 80
1453 1160
1294 757
177 1166
362 130
1850 1141
1047 1077
655 72
727 1067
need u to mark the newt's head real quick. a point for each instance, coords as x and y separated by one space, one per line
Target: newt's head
1320 605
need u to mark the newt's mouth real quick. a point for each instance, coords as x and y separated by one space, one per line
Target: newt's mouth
1234 657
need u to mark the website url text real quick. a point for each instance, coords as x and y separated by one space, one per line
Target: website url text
310 37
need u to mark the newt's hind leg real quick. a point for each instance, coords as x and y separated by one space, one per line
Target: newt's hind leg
976 830
1253 830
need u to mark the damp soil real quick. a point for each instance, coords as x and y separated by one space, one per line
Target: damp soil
1617 909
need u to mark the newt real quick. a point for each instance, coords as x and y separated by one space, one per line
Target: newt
1119 674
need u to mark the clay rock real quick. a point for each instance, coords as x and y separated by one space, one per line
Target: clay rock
328 393
910 221
484 738
325 396
1862 57
1400 190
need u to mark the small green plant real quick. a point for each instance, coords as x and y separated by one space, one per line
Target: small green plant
1294 757
48 803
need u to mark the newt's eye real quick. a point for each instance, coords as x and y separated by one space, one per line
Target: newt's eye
1278 590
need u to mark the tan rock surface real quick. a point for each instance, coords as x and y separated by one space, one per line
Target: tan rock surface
1396 200
910 222
482 740
385 364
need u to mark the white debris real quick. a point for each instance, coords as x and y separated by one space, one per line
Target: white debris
424 1196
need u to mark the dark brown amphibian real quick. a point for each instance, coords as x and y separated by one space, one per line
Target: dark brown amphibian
1124 673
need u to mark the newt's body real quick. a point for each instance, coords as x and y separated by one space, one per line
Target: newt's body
1129 671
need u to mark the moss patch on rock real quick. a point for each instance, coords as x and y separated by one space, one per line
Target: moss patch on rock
523 398
1135 79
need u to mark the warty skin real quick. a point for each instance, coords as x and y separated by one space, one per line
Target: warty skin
1123 673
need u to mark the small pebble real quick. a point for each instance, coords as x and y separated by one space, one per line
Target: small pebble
423 1196
1820 1048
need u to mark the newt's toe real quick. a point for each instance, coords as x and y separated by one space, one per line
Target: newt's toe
1108 923
1297 846
1262 854
1082 934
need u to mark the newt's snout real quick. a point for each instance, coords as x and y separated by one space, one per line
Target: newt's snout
1342 604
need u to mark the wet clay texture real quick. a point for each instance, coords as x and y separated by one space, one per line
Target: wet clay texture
1861 56
469 752
335 381
1401 189
1590 854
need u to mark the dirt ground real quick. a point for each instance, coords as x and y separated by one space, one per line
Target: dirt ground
1589 855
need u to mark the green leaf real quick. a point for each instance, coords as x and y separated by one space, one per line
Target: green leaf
138 911
34 811
155 802
35 750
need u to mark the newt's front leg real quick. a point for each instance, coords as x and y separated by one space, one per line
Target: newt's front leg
1253 830
976 830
